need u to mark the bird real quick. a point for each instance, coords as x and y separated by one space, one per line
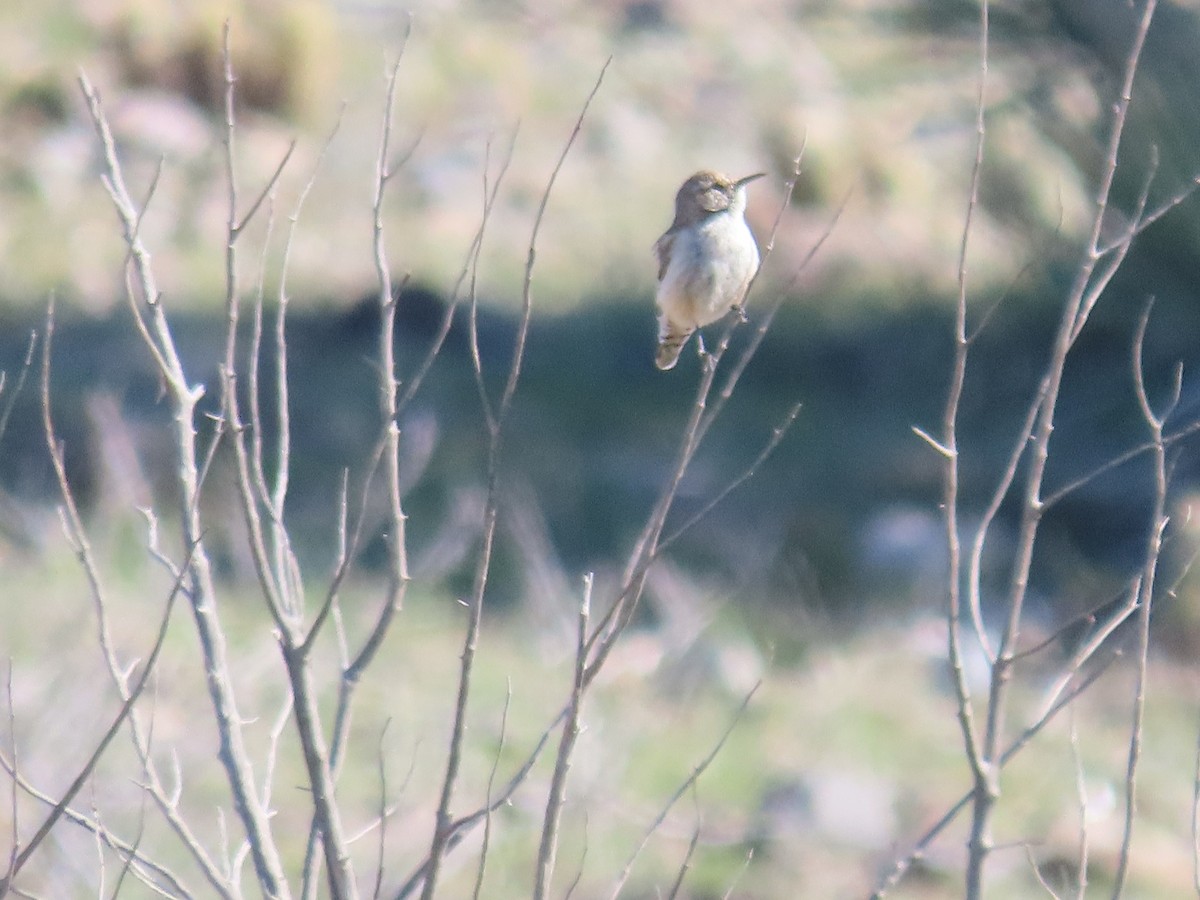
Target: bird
706 260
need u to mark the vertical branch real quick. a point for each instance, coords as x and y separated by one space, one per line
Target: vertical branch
274 495
1196 820
477 892
273 587
985 788
1081 793
201 591
389 459
443 825
685 865
326 816
14 817
1158 523
547 849
388 295
381 765
1074 316
397 544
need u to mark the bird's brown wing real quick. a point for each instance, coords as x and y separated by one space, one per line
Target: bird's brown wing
662 249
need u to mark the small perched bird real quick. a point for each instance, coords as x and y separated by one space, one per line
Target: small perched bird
706 260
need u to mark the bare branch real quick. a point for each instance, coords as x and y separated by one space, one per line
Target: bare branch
491 190
85 772
1117 461
15 392
1081 793
443 821
383 810
903 864
462 826
686 864
738 877
153 874
547 850
491 783
14 768
687 785
982 773
159 340
1154 542
777 435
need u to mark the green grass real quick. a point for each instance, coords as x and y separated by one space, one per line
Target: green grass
867 712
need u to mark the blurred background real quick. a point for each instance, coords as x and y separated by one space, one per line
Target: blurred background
880 97
840 528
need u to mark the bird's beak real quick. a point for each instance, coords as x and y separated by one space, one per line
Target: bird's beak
742 182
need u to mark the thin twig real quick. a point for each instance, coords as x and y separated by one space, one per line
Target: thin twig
687 785
85 772
381 768
983 775
548 847
491 189
579 868
1081 864
1037 871
462 826
14 809
153 874
733 883
685 864
491 784
1158 523
200 588
777 435
15 391
443 819
901 866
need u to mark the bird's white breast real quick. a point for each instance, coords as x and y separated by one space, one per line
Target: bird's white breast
710 267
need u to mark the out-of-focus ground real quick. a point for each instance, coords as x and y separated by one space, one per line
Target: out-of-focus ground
839 529
839 761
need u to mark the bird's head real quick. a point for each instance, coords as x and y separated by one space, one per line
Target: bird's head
708 192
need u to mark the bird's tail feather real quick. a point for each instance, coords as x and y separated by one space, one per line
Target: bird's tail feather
671 339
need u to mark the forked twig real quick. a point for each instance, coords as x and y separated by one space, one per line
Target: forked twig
1158 524
443 820
1024 473
22 856
158 338
901 866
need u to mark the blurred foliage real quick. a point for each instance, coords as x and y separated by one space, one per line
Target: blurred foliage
879 95
834 762
839 524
